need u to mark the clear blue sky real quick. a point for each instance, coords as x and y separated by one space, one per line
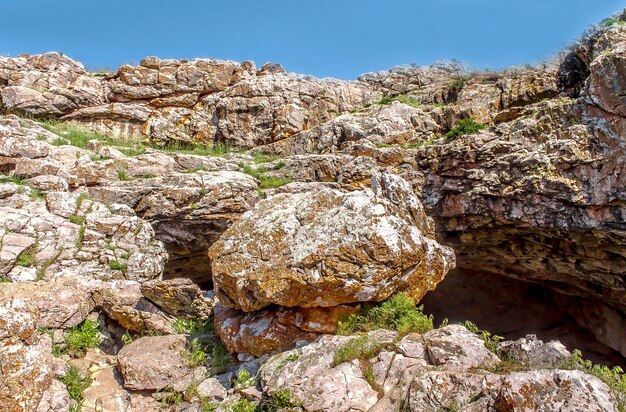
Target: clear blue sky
339 38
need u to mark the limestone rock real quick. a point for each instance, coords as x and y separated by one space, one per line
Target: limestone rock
48 84
26 361
458 349
533 353
69 235
154 362
178 297
329 247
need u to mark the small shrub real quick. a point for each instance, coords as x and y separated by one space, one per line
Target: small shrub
122 175
242 405
171 397
291 358
260 157
408 100
127 339
76 383
81 337
208 406
279 165
615 378
197 169
148 176
279 400
385 101
274 182
465 126
459 81
398 313
220 358
491 341
243 379
613 21
193 326
196 354
115 265
76 219
360 347
27 257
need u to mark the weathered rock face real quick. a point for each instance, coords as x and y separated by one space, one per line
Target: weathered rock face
329 247
155 362
204 100
46 85
25 359
71 235
444 368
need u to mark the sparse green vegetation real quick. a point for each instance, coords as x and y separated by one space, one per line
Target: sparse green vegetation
5 280
361 347
81 337
77 219
27 257
122 175
266 181
127 339
76 383
81 236
459 81
403 98
208 406
170 397
279 165
243 380
196 354
197 169
491 341
220 358
260 157
56 349
398 313
193 326
80 199
115 265
12 179
148 176
465 126
613 21
242 405
614 377
279 400
291 358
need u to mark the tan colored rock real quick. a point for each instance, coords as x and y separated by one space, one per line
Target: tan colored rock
256 333
26 361
329 247
178 297
154 362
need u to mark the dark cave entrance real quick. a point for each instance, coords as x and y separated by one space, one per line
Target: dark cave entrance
512 308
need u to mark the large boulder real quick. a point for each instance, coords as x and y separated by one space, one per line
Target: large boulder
327 247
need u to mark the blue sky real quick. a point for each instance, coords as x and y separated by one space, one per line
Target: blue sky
340 38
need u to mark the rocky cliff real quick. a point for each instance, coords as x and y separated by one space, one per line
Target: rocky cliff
205 235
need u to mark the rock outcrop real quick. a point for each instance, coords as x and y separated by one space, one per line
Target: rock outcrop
351 192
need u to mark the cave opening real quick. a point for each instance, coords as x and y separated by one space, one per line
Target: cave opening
514 308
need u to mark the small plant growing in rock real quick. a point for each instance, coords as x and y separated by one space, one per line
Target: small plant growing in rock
491 341
385 100
127 339
279 165
243 379
76 383
208 406
260 157
360 347
115 265
242 405
196 354
220 358
280 399
190 326
76 219
81 337
27 257
398 313
122 175
465 126
614 377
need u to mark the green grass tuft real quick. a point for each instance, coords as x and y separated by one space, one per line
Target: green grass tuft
491 341
189 326
398 313
115 265
615 378
76 383
360 347
81 337
465 126
220 358
196 354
